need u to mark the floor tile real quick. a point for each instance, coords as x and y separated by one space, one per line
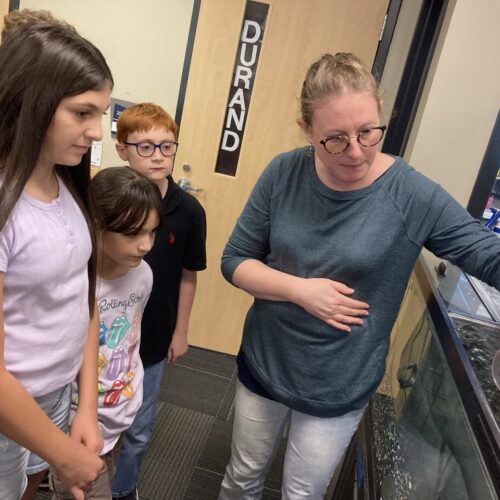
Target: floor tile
217 450
215 363
197 390
226 407
204 485
177 442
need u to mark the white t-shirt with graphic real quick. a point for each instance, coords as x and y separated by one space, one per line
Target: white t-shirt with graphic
120 303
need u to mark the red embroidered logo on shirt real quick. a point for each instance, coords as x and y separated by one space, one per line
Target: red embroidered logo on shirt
171 238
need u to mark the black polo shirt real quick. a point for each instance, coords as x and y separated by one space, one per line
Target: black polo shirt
179 243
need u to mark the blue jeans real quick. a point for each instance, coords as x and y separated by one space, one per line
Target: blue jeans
135 439
314 449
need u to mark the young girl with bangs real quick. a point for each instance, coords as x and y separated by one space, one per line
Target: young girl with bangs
129 210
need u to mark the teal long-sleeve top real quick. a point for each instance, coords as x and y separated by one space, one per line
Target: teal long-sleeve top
368 239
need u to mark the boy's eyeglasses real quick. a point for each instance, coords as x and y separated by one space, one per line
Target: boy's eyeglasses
337 144
147 149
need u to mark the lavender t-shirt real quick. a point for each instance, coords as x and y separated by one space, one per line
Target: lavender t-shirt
44 251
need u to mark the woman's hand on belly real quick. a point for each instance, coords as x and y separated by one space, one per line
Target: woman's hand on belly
328 300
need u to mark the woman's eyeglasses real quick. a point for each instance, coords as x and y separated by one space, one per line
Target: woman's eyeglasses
337 144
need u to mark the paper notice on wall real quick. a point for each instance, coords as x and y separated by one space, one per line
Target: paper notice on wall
96 153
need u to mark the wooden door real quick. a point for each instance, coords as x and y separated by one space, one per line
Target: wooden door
296 33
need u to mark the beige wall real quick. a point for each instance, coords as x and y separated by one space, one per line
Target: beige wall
143 42
461 98
4 8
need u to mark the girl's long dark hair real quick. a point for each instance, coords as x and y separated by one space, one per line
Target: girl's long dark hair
42 63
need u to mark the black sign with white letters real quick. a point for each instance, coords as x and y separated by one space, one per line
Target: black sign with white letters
240 92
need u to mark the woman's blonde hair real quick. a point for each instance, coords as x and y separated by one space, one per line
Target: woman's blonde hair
332 75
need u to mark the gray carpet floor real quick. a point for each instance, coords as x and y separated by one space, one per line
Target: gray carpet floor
191 442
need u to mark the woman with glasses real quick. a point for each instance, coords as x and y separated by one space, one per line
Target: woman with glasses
326 245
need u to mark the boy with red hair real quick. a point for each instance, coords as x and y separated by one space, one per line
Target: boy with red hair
147 140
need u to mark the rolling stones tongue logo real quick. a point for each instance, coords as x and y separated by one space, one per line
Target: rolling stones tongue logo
118 368
120 361
113 395
103 330
117 331
116 363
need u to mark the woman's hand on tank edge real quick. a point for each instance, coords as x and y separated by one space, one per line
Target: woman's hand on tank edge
327 300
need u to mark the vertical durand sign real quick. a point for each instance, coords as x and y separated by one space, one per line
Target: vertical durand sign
240 93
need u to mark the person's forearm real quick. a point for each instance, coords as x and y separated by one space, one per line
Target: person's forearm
87 376
187 291
263 282
22 420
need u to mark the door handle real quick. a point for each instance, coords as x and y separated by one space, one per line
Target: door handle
185 184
